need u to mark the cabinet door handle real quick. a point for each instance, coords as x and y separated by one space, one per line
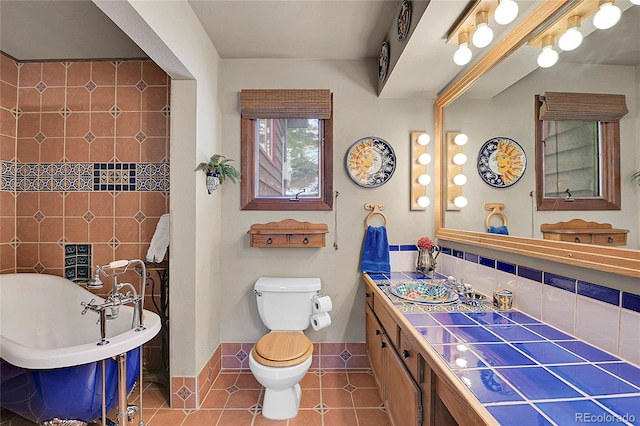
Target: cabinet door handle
576 240
405 354
377 332
269 240
367 295
610 240
383 345
305 241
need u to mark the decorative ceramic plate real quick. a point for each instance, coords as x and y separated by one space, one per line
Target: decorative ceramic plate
501 162
371 162
404 20
383 61
424 291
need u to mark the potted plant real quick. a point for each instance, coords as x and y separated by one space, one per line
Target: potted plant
217 170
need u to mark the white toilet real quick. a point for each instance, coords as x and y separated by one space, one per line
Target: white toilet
281 358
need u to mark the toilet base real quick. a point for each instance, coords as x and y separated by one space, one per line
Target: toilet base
281 404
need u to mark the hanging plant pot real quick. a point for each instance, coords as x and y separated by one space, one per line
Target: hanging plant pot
213 181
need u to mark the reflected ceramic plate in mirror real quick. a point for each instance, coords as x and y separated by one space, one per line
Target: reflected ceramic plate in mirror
427 291
501 162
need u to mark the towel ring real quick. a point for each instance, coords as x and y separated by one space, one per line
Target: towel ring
376 209
496 210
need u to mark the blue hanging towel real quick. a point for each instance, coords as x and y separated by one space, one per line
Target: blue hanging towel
498 230
375 253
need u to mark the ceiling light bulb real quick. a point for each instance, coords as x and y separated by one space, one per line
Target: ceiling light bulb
460 201
424 179
424 139
459 179
463 54
570 40
424 201
506 12
459 159
636 2
483 34
607 15
424 159
461 139
548 57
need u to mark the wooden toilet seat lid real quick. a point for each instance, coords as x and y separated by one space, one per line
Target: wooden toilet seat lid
283 349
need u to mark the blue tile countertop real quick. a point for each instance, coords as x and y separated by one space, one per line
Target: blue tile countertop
524 371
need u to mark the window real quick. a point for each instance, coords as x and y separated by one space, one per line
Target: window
578 151
287 150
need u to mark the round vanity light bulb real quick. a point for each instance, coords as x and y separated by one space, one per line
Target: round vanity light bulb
460 201
424 201
570 40
424 159
463 55
636 2
506 12
548 57
459 179
461 139
459 159
483 36
424 179
607 16
424 139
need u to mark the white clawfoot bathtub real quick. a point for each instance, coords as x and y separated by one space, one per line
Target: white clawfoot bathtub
50 361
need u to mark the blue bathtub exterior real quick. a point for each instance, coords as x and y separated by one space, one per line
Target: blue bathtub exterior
69 393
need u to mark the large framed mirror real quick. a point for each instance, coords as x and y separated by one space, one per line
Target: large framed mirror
462 98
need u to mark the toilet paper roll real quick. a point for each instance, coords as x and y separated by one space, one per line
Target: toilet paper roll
320 321
322 304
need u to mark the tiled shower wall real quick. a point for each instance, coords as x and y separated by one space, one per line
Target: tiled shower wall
84 162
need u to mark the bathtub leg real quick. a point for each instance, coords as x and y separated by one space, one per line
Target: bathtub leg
122 390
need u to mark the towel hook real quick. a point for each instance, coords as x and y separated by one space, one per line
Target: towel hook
376 209
496 210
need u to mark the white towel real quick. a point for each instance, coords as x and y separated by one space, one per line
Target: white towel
160 240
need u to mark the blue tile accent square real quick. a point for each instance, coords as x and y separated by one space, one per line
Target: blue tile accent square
629 372
394 247
560 281
489 318
77 262
592 380
530 273
538 383
574 412
594 291
520 318
415 275
473 334
514 333
549 332
488 386
627 409
488 262
470 257
377 277
500 354
590 353
518 415
408 247
547 353
631 301
445 250
459 356
509 268
421 320
458 253
451 318
437 335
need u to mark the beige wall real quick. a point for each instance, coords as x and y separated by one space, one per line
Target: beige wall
358 112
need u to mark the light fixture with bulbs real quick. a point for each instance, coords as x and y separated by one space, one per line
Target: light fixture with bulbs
464 54
483 34
572 38
548 57
455 178
420 178
607 16
506 12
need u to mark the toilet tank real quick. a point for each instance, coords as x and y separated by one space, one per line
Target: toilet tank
285 303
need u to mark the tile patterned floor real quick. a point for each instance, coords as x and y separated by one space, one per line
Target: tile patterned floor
329 398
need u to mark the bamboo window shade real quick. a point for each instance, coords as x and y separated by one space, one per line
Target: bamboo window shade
285 103
564 106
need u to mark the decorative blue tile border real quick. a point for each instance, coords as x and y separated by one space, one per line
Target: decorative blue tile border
64 177
594 291
77 262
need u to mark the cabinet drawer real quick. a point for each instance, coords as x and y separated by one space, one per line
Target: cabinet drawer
387 322
311 240
409 355
269 240
610 239
577 238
